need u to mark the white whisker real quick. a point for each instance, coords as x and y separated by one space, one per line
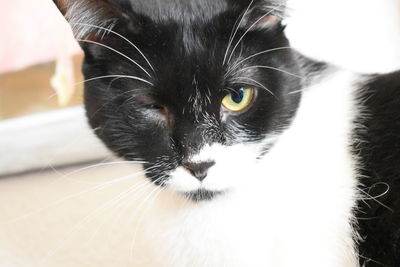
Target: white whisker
369 197
117 34
256 82
93 189
90 217
295 92
273 68
232 37
116 51
125 205
100 165
149 199
251 26
257 54
116 76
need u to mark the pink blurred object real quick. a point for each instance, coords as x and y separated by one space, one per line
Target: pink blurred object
32 32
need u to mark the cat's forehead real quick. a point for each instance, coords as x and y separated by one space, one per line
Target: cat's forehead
180 10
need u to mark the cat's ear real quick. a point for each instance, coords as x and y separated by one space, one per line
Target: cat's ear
90 19
264 14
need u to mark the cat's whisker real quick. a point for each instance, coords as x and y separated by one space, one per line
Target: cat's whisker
67 175
272 68
90 217
151 197
121 208
369 197
104 77
100 108
136 90
257 83
371 260
110 100
133 94
119 35
140 191
86 182
116 51
126 205
116 76
96 188
251 26
254 55
52 168
51 96
232 37
109 87
111 82
295 92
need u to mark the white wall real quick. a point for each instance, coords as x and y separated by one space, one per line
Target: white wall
362 35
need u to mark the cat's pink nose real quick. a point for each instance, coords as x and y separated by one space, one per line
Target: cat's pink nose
198 169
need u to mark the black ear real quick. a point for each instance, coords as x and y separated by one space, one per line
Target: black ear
263 14
90 19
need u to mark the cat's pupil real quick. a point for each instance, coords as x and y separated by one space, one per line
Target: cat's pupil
237 96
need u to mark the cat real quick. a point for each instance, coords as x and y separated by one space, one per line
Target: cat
284 160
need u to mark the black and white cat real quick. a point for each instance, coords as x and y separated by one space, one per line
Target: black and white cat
284 161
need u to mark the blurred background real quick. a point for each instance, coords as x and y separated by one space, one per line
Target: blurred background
40 71
49 154
35 37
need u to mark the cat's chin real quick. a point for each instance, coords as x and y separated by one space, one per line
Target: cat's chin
202 195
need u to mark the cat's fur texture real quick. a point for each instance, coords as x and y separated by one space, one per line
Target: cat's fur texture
306 176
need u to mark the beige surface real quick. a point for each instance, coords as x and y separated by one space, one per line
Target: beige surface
49 219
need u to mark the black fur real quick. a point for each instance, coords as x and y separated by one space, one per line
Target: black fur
379 151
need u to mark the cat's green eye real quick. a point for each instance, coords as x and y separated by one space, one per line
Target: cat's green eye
239 100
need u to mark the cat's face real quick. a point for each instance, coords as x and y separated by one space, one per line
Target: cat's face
198 90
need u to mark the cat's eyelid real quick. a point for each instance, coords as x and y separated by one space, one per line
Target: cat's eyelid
235 89
160 109
160 113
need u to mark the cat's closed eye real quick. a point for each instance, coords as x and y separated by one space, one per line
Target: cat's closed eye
159 113
159 109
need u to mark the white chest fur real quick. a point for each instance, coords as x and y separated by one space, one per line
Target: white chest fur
295 208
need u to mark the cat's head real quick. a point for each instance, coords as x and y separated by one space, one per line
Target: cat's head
198 90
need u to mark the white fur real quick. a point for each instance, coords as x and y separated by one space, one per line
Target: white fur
291 208
232 164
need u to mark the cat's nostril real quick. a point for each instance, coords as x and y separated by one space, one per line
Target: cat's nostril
198 169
